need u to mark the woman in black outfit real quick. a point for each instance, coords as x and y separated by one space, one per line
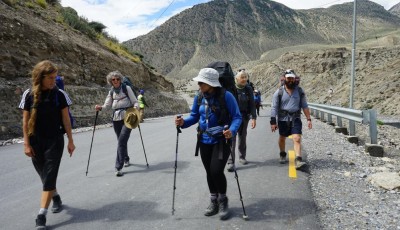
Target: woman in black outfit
214 141
45 120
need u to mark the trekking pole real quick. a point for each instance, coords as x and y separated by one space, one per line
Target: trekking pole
245 217
178 130
143 146
90 152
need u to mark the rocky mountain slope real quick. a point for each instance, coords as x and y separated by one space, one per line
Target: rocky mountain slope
242 30
267 37
30 33
377 82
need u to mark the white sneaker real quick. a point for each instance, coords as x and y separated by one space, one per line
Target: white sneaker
126 164
119 173
299 163
231 167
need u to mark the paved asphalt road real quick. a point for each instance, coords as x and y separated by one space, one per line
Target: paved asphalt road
142 198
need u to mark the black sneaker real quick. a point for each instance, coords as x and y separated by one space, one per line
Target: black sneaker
41 222
223 209
212 208
57 204
282 158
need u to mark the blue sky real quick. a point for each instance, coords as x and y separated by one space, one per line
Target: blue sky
127 19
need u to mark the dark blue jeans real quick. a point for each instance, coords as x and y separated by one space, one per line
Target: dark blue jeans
123 134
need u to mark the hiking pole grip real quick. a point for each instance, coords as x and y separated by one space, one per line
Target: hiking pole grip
91 144
178 128
226 127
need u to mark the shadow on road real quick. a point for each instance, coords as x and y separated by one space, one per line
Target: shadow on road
160 166
276 209
127 210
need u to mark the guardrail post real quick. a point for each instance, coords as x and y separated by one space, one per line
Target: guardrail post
339 121
330 119
352 128
322 117
373 130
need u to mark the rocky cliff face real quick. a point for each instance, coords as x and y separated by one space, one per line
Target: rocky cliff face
28 36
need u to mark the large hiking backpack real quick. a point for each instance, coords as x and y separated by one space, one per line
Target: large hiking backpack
226 76
125 82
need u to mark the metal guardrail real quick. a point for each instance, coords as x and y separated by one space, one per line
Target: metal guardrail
362 116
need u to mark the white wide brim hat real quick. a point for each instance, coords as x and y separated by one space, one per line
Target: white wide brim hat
131 119
208 76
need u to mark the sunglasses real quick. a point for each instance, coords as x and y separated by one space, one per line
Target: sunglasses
115 79
289 71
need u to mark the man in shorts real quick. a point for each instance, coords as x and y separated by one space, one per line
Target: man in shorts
287 103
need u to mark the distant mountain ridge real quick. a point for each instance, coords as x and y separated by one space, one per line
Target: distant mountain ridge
242 30
395 9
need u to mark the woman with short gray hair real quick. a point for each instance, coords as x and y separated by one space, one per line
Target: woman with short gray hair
119 99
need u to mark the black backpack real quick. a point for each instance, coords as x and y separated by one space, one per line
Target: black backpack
226 76
244 98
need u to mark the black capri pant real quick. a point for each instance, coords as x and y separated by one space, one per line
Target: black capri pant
47 159
214 162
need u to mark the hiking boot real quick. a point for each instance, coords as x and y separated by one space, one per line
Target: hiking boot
41 222
119 173
126 164
231 167
212 208
57 204
243 161
282 158
299 162
223 209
